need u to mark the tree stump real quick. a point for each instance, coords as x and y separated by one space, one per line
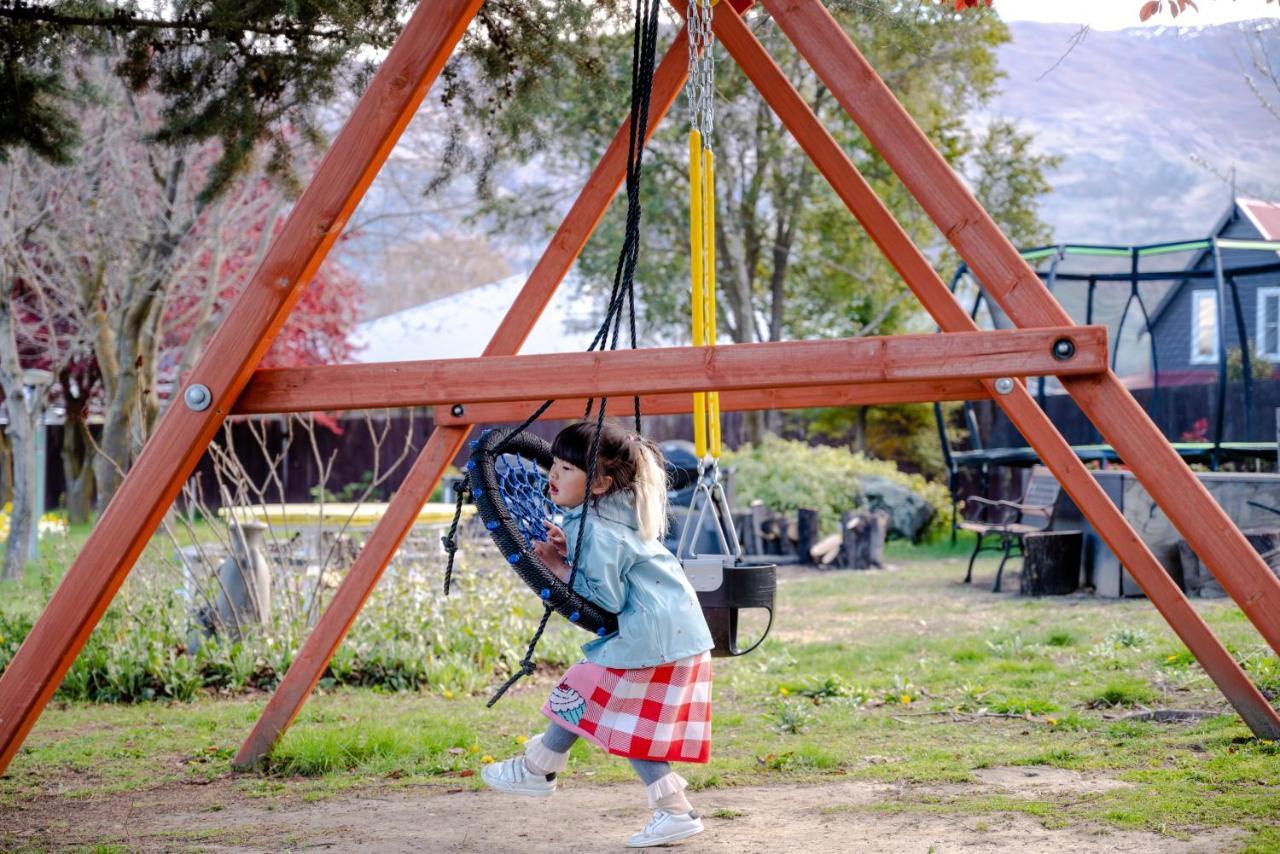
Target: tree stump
1051 563
1197 578
806 533
747 535
863 539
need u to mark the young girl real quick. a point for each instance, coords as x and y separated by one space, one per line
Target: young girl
643 692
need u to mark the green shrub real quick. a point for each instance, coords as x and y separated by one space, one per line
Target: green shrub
786 475
408 636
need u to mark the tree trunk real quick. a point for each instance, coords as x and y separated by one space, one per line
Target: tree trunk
6 469
112 460
22 517
77 454
22 427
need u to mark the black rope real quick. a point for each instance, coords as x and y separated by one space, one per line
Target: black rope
643 53
450 539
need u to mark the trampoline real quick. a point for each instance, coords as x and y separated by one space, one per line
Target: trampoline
1213 410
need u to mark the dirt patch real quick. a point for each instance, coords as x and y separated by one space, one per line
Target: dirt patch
844 816
1043 780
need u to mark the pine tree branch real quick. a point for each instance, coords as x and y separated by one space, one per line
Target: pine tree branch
120 19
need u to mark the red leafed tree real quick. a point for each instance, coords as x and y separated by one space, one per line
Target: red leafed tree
117 268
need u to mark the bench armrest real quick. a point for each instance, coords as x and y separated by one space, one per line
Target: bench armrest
991 511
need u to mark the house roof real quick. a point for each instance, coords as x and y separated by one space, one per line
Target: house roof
1265 216
461 325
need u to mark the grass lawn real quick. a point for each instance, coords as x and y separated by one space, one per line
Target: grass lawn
901 676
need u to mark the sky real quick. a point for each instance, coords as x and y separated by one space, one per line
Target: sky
1118 14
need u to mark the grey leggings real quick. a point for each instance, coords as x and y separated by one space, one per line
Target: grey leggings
558 740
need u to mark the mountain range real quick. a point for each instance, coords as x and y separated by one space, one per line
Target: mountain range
1144 118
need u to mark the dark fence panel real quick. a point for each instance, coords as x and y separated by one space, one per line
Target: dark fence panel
1183 413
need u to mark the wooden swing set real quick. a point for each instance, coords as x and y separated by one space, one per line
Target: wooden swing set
960 363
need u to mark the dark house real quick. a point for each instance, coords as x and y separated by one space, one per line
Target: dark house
1189 325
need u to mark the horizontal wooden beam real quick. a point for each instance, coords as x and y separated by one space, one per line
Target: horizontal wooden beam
866 394
841 361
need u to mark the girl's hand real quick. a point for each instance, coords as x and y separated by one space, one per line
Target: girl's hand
552 557
555 536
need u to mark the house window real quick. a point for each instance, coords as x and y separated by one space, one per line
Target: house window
1269 323
1204 327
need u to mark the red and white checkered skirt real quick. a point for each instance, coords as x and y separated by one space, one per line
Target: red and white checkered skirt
660 713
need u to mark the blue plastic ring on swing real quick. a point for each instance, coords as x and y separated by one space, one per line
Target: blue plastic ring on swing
601 632
546 593
513 559
574 617
492 525
471 464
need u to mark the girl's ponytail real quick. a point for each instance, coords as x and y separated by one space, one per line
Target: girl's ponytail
650 489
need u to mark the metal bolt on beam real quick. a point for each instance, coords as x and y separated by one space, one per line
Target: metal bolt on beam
197 397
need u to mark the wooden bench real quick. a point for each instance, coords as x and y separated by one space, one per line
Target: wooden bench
1007 522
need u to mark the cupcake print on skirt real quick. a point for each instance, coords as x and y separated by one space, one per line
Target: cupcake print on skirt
567 703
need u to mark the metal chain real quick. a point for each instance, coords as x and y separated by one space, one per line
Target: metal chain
701 86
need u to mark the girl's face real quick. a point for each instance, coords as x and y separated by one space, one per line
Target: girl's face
568 484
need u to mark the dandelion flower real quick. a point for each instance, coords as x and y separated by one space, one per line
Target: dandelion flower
521 739
486 759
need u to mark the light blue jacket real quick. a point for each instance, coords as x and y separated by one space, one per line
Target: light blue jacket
659 619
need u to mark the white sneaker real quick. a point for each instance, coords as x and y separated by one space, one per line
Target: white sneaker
514 778
665 827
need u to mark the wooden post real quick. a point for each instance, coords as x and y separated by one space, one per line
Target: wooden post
1018 404
446 441
234 351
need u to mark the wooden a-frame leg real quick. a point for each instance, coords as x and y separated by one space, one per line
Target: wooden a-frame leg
445 442
234 351
1028 303
1018 405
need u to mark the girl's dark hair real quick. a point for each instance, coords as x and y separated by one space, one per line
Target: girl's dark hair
633 462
